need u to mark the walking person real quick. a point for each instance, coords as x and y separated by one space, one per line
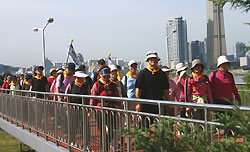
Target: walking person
101 65
197 89
104 87
223 84
53 76
27 82
6 83
129 82
79 87
88 80
174 92
114 79
1 81
151 83
15 85
64 79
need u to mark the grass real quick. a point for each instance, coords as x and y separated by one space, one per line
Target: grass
9 143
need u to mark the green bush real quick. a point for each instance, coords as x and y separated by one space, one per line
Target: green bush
161 136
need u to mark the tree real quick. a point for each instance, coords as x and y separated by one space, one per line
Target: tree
237 4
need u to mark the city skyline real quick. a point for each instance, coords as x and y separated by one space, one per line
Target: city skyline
124 29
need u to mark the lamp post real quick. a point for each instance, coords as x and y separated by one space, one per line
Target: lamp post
172 32
50 20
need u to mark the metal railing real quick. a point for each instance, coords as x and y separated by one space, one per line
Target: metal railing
81 127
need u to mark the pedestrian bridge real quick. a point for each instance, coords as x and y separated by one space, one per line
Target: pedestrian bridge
45 124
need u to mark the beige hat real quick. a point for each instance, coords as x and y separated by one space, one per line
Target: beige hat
180 67
222 59
51 70
196 62
131 62
152 55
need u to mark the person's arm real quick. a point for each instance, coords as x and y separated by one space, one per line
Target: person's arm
94 91
138 96
58 85
166 94
209 94
177 93
187 90
178 83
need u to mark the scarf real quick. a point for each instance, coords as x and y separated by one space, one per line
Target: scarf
52 77
132 75
153 71
12 83
26 82
119 75
78 83
223 72
105 84
115 81
66 75
197 76
38 77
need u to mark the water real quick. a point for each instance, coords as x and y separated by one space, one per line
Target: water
239 79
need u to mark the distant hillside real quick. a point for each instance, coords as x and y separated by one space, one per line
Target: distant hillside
12 69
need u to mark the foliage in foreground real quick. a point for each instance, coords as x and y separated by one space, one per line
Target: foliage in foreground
161 136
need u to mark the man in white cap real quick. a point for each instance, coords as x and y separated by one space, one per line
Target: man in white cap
151 83
223 84
129 82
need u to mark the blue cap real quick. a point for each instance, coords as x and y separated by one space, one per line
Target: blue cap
105 71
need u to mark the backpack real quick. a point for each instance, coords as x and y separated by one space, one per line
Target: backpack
191 78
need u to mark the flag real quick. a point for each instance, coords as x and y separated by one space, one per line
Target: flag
72 53
109 59
93 73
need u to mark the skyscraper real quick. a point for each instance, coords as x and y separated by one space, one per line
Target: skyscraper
196 50
176 42
216 43
239 48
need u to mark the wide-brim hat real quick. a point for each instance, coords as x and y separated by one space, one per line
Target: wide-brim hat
180 67
112 67
152 55
166 69
196 62
131 62
105 71
80 74
51 70
222 59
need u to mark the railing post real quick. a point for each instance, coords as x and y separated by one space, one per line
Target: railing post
56 136
29 122
36 114
68 124
206 118
84 124
45 117
16 106
103 127
128 126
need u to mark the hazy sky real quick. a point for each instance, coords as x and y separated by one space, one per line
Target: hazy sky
125 28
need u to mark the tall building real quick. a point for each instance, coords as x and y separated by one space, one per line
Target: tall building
196 50
176 42
216 43
239 48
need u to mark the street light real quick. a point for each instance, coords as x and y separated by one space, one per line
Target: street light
50 20
167 44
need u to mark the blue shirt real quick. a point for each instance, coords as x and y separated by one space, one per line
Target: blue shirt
130 86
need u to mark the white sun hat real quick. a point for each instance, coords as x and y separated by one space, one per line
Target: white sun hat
80 74
166 69
131 62
180 67
222 59
152 55
112 67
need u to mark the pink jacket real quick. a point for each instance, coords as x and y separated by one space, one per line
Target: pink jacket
181 87
174 91
199 89
223 86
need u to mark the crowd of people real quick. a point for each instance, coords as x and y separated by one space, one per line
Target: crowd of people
150 83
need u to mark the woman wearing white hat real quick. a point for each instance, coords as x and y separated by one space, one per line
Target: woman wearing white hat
222 83
180 79
114 79
78 87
